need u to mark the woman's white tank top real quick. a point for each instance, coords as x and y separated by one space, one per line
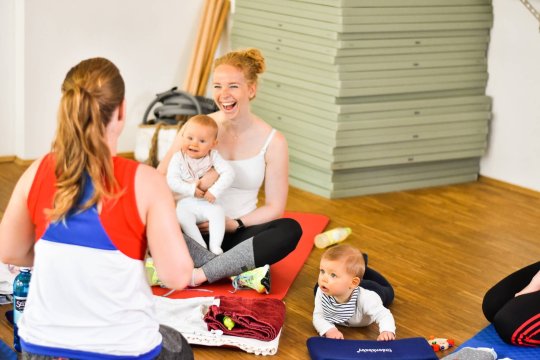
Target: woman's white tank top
241 197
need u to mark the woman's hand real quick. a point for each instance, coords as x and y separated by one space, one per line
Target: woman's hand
208 179
230 225
385 336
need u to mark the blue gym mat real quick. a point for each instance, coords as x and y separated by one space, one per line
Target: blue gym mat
321 348
489 338
6 353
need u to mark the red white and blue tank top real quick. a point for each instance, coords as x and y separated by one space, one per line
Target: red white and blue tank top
88 296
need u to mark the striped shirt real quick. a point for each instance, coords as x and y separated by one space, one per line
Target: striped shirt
337 313
368 309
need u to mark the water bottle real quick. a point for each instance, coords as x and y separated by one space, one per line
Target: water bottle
20 293
331 237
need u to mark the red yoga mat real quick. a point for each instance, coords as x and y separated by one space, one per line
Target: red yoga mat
282 273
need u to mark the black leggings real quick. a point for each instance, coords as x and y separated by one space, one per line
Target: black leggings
516 319
374 281
272 241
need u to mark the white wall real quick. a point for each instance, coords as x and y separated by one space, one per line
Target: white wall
7 76
514 84
150 41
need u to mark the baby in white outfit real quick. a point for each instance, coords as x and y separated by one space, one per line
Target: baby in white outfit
195 158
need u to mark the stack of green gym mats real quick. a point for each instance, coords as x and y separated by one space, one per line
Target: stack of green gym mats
373 95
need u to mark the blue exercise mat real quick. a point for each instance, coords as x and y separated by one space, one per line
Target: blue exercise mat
7 353
321 348
489 338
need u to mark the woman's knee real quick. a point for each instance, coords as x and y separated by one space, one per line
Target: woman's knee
504 325
517 321
490 305
293 229
292 232
279 238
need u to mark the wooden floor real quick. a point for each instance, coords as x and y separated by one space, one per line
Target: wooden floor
441 248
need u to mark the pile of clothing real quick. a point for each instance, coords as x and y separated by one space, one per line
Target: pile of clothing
250 324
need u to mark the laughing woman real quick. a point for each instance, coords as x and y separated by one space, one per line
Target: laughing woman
255 235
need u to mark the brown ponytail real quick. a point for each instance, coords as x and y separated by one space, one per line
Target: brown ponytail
91 92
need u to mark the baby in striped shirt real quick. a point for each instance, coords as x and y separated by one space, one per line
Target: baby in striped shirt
351 294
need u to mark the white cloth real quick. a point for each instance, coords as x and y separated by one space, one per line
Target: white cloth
369 309
184 315
180 180
241 197
7 275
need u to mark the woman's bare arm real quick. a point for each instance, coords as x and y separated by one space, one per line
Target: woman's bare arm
17 232
165 241
276 186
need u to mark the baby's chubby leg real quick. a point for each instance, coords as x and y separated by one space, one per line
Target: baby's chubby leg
188 222
215 216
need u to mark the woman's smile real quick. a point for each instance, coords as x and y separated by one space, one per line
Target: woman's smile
228 106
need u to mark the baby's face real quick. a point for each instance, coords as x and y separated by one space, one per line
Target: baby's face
334 280
198 140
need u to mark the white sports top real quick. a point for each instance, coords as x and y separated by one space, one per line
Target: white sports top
241 197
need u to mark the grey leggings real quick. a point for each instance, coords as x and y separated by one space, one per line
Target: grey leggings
173 347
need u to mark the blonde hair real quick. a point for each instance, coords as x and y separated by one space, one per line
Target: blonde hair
350 256
91 92
203 120
250 61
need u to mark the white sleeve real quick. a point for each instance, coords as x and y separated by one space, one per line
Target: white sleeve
374 308
321 325
226 174
175 178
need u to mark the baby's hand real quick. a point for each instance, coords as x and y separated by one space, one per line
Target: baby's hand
199 193
334 333
209 197
385 336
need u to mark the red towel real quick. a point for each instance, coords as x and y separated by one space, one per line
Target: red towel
255 318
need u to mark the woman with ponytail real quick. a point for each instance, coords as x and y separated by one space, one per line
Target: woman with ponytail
255 235
84 219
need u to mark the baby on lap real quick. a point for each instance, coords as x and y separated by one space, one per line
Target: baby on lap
195 158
